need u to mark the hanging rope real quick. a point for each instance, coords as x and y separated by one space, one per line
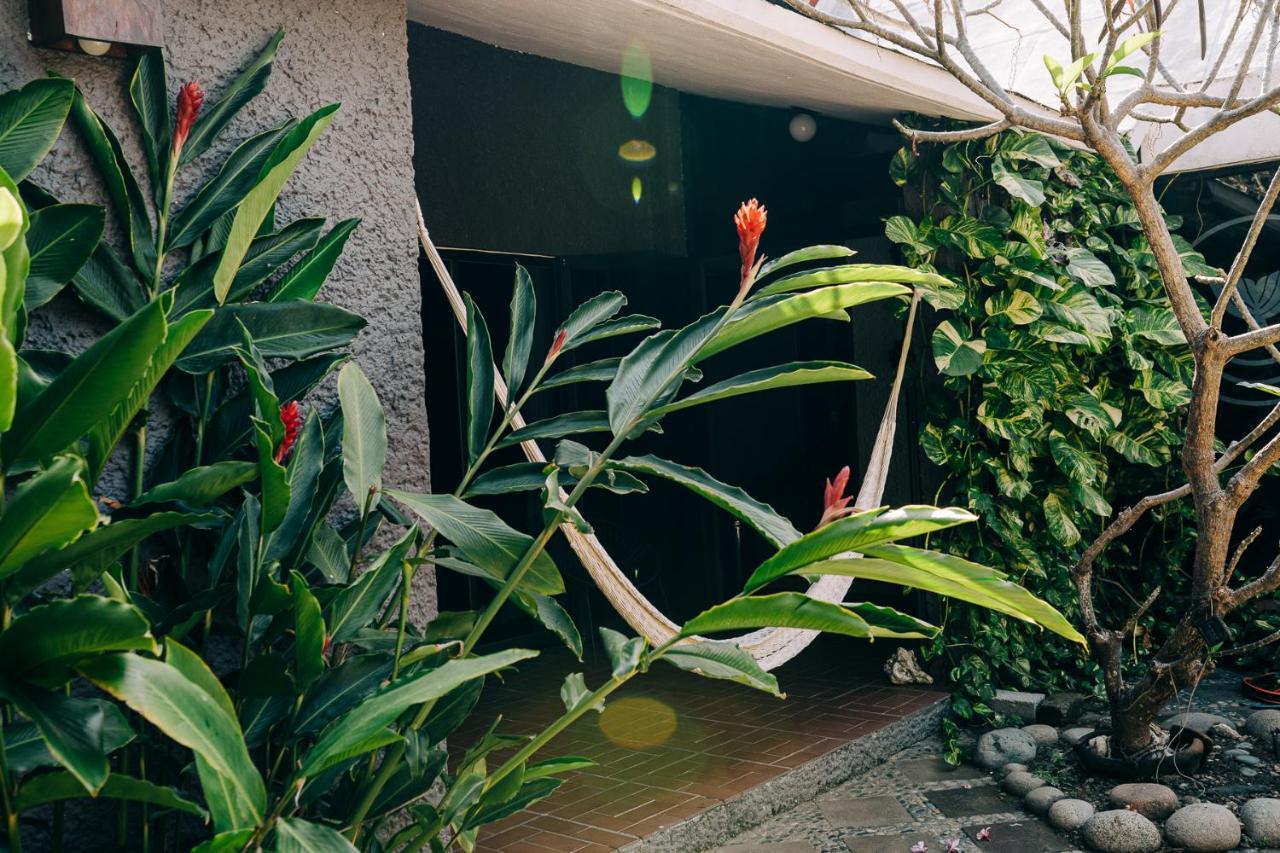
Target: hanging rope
771 647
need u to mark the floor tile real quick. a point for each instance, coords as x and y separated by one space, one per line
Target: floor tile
766 847
862 812
934 769
967 802
1030 836
891 843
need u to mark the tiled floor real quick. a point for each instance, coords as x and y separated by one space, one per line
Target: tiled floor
671 745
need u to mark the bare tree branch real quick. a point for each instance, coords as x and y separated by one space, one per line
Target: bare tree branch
1251 647
947 136
1269 581
1246 250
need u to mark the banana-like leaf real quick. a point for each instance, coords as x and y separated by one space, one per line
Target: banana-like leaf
185 712
775 312
570 423
524 309
789 375
480 385
229 427
150 96
105 284
856 533
340 689
305 467
779 610
764 519
25 748
48 511
257 203
486 539
848 274
267 253
44 645
309 633
624 652
548 612
295 835
293 330
652 368
87 391
61 239
305 278
589 314
248 83
200 486
358 604
722 660
56 787
800 256
887 622
72 729
30 120
364 435
346 736
627 325
274 480
595 371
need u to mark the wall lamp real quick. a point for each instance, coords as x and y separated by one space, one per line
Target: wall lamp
96 27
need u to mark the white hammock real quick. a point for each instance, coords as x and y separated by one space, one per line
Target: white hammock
771 647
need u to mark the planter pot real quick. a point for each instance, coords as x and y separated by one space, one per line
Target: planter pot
1191 750
1263 688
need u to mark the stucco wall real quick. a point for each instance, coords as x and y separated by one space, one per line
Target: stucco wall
353 53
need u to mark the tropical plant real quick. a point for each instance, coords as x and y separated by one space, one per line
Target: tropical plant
1066 380
1102 90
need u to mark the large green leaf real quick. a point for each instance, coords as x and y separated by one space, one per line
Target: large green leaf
1058 516
766 521
595 371
44 645
340 689
305 278
651 368
364 435
1088 268
200 486
305 467
246 86
294 329
25 748
61 239
480 385
187 714
295 835
55 787
887 622
953 354
48 511
308 633
590 314
73 729
193 287
150 96
30 120
105 284
485 539
789 375
805 255
87 391
358 604
779 610
724 661
230 425
1024 189
524 309
848 274
346 736
775 312
855 533
628 325
258 202
558 426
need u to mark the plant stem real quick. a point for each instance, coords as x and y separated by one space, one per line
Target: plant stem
406 590
6 800
138 487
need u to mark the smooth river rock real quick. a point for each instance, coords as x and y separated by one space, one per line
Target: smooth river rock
1203 828
998 747
1261 819
1041 799
1121 831
1197 720
1043 735
1069 815
1021 784
1262 723
1146 798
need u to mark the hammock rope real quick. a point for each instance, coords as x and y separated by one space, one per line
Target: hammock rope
771 647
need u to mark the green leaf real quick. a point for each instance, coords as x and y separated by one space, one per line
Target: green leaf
849 274
340 689
31 119
486 539
887 622
364 436
722 660
1058 517
246 86
1022 145
856 533
293 330
56 787
309 633
1018 305
650 369
901 230
1088 268
48 511
358 604
779 610
570 423
305 278
805 255
479 382
1024 189
44 645
347 734
591 313
1261 386
187 714
257 203
87 391
627 325
1156 323
1056 74
548 612
624 652
790 375
595 371
764 519
25 747
150 96
200 486
1131 45
105 284
954 355
771 313
295 835
72 729
524 307
305 468
274 481
60 240
193 287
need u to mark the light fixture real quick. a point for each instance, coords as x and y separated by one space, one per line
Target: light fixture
803 127
96 27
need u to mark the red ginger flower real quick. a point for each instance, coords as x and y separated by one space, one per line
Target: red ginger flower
291 415
190 99
835 503
750 220
557 345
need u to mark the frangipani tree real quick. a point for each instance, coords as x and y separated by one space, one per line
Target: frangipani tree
1098 98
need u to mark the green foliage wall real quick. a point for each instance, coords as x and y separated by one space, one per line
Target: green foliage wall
1064 384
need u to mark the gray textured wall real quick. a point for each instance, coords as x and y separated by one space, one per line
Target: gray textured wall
354 53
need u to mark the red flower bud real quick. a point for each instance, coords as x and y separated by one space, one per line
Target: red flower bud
557 345
291 415
750 221
190 98
835 503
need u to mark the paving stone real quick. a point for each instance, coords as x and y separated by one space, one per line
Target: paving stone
1146 798
1029 836
861 812
1069 815
1203 828
934 769
1017 703
770 847
885 843
1121 831
998 747
1261 819
978 800
1039 800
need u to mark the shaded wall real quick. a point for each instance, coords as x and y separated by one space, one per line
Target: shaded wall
363 167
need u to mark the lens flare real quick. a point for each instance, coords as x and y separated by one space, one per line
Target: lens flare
637 189
637 151
637 79
638 722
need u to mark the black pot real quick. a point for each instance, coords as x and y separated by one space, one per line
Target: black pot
1191 751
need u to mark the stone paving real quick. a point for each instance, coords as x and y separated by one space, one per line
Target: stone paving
913 798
